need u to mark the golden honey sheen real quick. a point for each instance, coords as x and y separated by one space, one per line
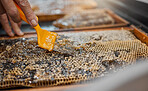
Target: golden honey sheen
76 57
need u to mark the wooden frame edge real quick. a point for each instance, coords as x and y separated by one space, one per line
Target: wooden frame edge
140 34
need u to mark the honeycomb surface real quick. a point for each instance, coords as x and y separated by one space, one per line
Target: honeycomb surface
54 7
85 18
25 64
7 43
101 36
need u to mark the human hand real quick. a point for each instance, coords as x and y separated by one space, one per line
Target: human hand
9 12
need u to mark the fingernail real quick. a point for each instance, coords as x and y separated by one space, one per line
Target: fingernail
11 34
21 33
33 23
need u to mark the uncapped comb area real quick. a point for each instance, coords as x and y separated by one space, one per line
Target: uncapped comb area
54 7
101 36
85 18
25 64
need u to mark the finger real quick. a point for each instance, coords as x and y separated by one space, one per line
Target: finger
11 10
5 24
15 27
26 8
2 10
20 24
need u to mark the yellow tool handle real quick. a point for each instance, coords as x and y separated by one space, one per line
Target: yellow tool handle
22 15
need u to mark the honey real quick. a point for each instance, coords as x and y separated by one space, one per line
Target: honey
25 64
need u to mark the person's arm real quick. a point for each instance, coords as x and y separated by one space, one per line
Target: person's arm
9 12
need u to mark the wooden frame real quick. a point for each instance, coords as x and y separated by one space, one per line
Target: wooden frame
44 18
120 22
56 88
137 32
141 35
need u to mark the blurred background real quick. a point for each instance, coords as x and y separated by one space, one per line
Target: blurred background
134 11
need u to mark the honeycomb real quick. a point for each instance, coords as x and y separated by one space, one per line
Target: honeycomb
84 18
101 36
54 7
8 43
25 64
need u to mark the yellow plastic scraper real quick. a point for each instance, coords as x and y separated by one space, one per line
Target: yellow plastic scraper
46 39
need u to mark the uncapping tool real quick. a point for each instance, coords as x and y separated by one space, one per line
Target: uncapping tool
46 39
